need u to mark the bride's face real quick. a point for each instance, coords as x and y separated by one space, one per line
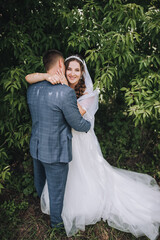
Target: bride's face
73 73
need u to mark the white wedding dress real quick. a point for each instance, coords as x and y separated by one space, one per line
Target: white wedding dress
95 190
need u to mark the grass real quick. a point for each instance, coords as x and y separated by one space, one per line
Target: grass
31 224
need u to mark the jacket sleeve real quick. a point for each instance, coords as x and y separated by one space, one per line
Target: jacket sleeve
72 114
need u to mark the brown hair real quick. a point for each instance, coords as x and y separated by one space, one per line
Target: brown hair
80 87
50 58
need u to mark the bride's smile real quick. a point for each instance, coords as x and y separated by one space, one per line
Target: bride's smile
73 73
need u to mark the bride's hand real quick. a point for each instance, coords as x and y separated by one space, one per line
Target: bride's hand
63 79
54 79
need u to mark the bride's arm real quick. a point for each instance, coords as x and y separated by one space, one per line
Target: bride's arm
37 77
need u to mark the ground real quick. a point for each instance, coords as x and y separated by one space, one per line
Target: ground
31 224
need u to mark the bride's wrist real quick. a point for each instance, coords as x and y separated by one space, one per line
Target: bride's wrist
46 76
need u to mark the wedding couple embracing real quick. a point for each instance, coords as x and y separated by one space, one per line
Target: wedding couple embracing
76 185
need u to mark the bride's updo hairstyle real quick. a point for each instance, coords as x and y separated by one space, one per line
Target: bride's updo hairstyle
80 87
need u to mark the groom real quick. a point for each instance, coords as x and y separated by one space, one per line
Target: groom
54 112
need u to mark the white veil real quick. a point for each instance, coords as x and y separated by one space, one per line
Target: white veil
89 101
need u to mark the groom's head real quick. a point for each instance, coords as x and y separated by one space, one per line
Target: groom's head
53 60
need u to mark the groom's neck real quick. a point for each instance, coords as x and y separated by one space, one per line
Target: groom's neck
52 71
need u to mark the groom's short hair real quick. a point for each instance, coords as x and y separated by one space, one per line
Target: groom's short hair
50 58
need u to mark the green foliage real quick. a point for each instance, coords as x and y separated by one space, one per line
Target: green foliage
143 98
11 208
27 179
10 217
4 175
125 146
4 169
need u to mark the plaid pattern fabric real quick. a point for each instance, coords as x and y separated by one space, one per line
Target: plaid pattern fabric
54 112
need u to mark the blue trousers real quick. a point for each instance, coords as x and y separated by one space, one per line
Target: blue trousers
56 175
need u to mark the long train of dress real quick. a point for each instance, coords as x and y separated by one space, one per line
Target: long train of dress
95 190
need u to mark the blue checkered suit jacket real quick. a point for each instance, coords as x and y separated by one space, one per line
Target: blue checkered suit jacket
54 112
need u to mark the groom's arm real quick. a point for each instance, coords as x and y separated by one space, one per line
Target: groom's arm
72 114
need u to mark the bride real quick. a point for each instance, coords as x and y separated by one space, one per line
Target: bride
95 190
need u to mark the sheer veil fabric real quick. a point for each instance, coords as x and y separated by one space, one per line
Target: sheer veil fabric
95 190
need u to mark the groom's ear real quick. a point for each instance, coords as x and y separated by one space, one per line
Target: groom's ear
61 63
